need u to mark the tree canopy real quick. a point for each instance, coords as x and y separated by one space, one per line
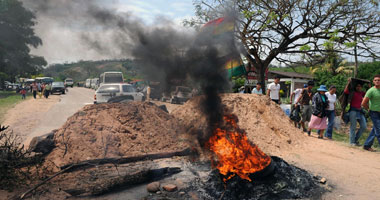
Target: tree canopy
282 31
16 37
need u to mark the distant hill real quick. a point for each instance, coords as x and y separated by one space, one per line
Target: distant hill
82 70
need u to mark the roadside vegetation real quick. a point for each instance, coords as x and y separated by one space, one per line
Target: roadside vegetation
8 99
16 164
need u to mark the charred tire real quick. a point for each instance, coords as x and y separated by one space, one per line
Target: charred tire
120 99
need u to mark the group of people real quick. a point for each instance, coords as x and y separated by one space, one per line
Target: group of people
38 89
321 113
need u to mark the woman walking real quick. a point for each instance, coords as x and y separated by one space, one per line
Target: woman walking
331 96
319 112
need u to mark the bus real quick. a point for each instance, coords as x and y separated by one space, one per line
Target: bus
111 77
44 80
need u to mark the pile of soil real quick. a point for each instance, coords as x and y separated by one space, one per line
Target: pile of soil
116 130
264 121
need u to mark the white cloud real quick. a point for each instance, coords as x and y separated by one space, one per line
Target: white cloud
63 36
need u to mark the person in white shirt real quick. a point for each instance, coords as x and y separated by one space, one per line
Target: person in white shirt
295 110
257 89
330 111
274 90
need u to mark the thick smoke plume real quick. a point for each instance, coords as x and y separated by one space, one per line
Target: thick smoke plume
164 53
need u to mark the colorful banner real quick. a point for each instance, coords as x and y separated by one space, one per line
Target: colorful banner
235 67
218 26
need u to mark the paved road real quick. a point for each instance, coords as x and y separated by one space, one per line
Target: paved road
70 103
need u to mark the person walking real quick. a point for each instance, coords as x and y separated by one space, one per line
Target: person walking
319 116
40 88
148 91
34 90
274 90
47 90
295 110
356 113
257 89
23 93
304 102
331 96
373 98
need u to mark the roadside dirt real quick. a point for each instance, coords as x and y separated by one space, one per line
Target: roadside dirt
273 133
116 130
351 172
27 115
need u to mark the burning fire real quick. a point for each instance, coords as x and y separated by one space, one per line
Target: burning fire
235 154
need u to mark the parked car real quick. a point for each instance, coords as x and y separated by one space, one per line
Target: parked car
181 95
57 87
120 92
69 82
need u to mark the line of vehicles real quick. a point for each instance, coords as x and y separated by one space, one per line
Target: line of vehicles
110 87
56 86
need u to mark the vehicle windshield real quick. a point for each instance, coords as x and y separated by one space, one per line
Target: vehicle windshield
58 84
113 78
109 89
128 88
69 81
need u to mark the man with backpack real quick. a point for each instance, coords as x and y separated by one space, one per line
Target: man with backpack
304 102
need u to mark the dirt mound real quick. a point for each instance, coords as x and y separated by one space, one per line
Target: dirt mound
116 130
264 122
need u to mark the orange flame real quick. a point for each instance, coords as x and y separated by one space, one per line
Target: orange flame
235 154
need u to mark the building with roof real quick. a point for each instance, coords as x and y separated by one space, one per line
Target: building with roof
297 80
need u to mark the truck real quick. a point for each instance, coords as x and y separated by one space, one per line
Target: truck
69 82
111 77
88 83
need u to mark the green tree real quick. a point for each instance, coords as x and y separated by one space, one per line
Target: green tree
278 30
324 77
16 37
369 70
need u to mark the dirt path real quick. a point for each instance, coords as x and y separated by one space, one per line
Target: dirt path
35 117
352 172
27 115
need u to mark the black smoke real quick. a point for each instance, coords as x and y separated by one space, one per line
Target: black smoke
164 52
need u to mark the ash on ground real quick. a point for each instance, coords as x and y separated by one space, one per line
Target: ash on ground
286 182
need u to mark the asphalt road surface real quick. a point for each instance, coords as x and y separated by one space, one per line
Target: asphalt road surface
69 103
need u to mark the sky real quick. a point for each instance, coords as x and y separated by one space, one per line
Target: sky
62 35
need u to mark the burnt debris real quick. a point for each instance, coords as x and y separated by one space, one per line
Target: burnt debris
286 182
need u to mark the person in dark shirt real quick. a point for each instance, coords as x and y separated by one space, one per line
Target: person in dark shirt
304 101
356 113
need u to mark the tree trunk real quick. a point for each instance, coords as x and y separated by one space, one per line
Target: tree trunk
124 160
260 69
356 56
